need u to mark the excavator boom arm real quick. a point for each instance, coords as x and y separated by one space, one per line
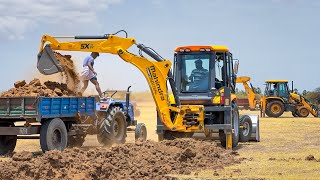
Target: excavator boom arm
155 72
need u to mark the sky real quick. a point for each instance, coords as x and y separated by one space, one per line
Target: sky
273 39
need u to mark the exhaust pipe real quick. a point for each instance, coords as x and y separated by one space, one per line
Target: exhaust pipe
47 62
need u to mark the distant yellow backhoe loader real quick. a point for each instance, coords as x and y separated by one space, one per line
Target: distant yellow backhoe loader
277 99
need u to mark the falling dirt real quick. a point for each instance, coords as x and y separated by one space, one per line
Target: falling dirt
69 73
35 88
139 160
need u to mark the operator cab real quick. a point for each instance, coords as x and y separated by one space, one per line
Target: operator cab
277 88
199 70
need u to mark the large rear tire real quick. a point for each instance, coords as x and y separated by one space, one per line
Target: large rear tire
113 127
275 109
7 142
53 135
235 126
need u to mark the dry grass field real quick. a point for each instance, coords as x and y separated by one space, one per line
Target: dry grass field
281 154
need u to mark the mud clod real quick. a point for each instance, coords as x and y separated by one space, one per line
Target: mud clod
19 83
310 158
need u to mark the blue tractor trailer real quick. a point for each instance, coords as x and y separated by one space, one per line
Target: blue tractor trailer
61 122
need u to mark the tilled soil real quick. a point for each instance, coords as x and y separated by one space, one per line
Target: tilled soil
140 160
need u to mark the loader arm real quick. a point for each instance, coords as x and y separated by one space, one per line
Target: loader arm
155 72
249 90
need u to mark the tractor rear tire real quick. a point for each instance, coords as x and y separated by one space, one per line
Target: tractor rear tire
53 135
303 112
113 127
275 109
246 130
7 142
235 126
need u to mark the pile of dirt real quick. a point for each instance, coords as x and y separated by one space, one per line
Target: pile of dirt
140 160
35 88
69 72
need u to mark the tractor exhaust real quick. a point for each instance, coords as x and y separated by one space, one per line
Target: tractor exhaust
47 62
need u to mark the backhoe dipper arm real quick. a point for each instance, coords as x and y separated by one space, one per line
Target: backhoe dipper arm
155 72
249 90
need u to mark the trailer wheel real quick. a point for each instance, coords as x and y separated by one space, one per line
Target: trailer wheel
76 141
303 112
53 135
113 127
7 142
140 132
275 109
235 126
246 130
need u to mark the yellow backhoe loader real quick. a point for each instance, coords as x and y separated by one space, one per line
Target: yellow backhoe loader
277 99
202 97
251 101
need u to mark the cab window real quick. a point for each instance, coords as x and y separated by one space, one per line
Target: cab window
195 73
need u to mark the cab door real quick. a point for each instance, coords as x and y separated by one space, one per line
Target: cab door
284 91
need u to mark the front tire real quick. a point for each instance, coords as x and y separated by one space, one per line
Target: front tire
140 132
275 109
113 127
303 112
246 130
53 135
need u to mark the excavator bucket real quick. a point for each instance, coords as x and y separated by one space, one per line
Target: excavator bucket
47 62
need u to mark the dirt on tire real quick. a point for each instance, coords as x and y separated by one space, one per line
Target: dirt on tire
139 160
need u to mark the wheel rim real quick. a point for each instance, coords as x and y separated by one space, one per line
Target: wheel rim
246 128
275 108
304 112
56 138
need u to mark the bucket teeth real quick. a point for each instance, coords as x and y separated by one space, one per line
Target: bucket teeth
47 62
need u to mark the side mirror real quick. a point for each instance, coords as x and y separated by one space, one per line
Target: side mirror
236 66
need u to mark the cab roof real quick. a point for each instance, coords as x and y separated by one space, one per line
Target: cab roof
276 81
197 48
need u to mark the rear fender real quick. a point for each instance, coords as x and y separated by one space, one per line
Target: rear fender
269 99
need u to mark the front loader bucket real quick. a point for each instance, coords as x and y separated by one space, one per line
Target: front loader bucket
47 62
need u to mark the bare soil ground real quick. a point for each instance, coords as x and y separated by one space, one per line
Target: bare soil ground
139 160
